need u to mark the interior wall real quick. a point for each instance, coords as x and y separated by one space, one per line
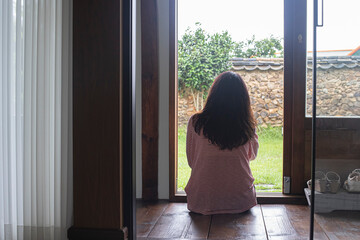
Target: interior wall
163 26
137 54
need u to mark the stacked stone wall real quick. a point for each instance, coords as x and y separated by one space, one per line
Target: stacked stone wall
338 92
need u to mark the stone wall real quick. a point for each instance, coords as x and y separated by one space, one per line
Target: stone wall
338 94
186 107
266 94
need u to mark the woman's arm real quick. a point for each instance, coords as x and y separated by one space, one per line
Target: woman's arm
253 147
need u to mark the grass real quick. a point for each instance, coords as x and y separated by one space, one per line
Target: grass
266 168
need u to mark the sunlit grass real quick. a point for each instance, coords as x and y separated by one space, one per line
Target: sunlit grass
183 167
266 168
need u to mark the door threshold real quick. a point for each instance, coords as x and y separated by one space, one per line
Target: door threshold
280 198
262 198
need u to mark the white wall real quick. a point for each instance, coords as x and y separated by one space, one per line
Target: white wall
163 25
137 54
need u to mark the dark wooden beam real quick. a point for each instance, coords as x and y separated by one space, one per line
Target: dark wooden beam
150 99
101 77
299 90
128 120
294 93
288 86
96 112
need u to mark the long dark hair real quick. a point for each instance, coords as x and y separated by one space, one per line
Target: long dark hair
227 119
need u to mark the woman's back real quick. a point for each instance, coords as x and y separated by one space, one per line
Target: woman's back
221 141
221 180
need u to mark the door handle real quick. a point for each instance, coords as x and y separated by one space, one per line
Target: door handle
317 13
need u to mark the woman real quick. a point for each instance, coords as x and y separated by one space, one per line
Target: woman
220 142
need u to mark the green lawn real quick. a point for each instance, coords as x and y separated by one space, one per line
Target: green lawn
266 168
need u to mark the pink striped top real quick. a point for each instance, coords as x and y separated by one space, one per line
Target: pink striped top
221 180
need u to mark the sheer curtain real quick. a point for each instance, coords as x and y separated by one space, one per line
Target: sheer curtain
35 119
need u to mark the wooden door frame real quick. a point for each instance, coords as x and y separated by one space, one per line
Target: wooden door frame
149 98
295 33
294 102
128 120
103 121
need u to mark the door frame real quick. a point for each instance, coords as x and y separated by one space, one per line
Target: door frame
294 103
128 118
173 103
113 158
295 67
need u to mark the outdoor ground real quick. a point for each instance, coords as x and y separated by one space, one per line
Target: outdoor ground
266 168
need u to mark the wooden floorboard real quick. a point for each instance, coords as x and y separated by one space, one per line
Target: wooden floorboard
289 222
247 225
147 214
340 224
174 222
199 227
277 221
164 220
300 218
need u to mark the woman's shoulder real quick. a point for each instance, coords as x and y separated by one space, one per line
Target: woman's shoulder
191 123
193 117
191 120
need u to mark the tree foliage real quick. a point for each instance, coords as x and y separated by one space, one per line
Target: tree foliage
266 47
201 57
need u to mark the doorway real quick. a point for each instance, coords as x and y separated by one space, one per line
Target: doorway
256 54
284 77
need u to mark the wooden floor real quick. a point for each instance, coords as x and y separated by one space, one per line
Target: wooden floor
164 220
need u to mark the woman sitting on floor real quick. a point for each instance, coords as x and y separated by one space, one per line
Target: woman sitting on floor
220 142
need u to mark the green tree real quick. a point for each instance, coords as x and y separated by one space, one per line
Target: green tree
201 57
266 47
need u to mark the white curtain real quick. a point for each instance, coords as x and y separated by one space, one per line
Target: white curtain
35 119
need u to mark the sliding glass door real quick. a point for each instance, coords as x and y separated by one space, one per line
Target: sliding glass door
277 89
336 127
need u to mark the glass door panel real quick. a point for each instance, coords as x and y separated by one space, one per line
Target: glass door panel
337 148
261 70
